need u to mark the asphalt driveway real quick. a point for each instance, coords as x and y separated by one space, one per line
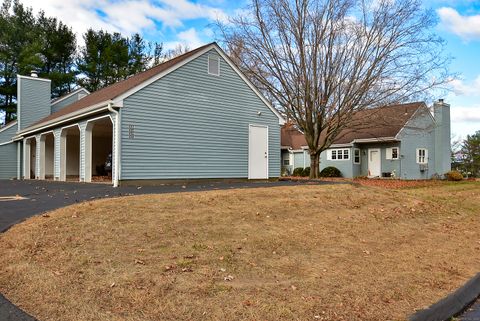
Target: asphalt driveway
22 199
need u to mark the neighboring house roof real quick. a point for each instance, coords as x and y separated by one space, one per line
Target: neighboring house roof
76 91
374 123
122 89
291 137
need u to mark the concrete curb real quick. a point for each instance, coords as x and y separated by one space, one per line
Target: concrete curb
451 305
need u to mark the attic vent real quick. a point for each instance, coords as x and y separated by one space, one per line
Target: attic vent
214 65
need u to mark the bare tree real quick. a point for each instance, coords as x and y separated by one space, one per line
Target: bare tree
322 61
178 50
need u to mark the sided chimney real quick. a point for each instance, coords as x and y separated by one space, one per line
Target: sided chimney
33 99
441 113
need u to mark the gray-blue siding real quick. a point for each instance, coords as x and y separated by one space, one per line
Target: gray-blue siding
34 102
8 161
418 133
65 102
7 133
190 124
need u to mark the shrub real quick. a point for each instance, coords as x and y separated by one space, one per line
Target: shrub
298 171
330 171
454 176
306 171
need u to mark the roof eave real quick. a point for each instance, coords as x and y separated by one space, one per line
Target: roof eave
64 119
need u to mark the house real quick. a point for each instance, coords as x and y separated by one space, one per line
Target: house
404 141
193 117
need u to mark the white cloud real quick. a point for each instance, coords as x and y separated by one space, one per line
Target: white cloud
126 16
467 27
469 114
461 88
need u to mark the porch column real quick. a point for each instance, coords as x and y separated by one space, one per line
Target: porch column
63 156
37 157
82 126
41 157
56 154
26 159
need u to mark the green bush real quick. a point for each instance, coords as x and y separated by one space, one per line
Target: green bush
454 176
330 171
306 172
298 171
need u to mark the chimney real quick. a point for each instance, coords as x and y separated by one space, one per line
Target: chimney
441 113
33 99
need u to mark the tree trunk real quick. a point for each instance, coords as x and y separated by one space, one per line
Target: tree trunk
314 165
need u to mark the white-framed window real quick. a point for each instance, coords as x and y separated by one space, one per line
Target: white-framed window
286 161
356 156
214 65
422 156
393 153
338 154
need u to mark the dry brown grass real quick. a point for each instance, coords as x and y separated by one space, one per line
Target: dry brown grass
295 253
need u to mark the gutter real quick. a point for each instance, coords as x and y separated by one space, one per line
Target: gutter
117 142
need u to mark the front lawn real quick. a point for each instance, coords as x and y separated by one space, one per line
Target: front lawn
337 252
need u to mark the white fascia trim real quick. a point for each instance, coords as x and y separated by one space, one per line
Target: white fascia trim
6 143
375 140
297 150
11 124
76 91
118 101
63 119
340 145
33 78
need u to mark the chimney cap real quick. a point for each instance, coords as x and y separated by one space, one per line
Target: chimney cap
34 74
440 100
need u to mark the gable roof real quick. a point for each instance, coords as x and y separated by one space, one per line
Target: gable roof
61 98
373 123
128 86
291 137
118 88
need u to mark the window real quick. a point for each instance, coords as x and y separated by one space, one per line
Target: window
286 161
422 155
214 65
393 153
338 154
356 156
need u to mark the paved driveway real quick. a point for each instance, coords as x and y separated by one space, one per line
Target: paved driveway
22 199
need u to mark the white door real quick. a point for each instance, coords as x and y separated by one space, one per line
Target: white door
374 163
258 152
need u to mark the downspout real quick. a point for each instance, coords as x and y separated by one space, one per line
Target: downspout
117 143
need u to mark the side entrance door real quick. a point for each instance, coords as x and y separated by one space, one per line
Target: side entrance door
374 163
258 152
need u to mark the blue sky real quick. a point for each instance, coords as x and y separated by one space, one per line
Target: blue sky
189 22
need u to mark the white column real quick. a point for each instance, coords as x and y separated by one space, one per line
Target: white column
83 155
56 154
37 157
26 159
41 156
63 156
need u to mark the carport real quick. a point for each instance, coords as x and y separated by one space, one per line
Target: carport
30 159
47 155
70 153
98 146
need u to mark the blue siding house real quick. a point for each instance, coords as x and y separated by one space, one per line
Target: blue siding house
193 117
405 141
